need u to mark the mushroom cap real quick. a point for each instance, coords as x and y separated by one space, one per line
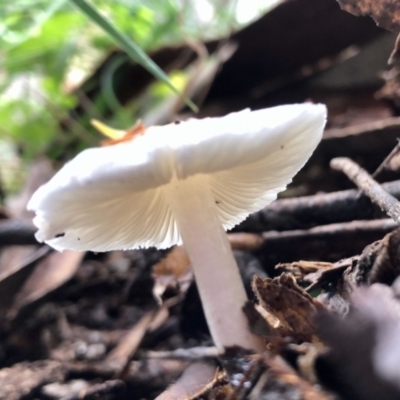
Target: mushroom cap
113 197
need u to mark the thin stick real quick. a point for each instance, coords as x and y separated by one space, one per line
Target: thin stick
386 161
369 186
190 354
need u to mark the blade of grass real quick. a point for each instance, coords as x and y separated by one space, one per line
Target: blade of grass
131 48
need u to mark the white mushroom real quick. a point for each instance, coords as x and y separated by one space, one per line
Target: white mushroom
184 182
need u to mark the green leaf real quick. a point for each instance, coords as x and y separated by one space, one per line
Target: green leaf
131 48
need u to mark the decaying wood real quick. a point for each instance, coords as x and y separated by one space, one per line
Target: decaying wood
369 186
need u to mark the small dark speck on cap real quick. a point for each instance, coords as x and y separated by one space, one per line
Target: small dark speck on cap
177 122
282 146
79 238
60 235
217 202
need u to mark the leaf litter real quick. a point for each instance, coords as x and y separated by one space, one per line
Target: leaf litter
130 325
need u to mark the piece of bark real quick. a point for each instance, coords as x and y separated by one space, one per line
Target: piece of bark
369 186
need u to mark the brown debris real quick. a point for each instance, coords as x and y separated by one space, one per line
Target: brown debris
172 272
283 382
102 320
289 303
256 377
22 380
136 130
386 13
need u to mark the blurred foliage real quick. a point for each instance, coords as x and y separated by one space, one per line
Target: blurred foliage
48 48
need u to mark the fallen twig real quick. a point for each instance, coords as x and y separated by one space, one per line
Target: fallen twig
190 354
320 209
369 186
197 376
387 123
386 161
17 232
328 242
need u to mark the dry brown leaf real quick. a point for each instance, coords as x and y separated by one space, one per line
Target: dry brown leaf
287 301
125 349
17 262
49 274
175 264
172 272
16 271
386 13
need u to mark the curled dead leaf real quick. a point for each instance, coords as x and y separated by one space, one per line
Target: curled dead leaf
386 13
286 300
172 272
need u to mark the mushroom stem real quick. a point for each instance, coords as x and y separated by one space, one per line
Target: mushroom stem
217 275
